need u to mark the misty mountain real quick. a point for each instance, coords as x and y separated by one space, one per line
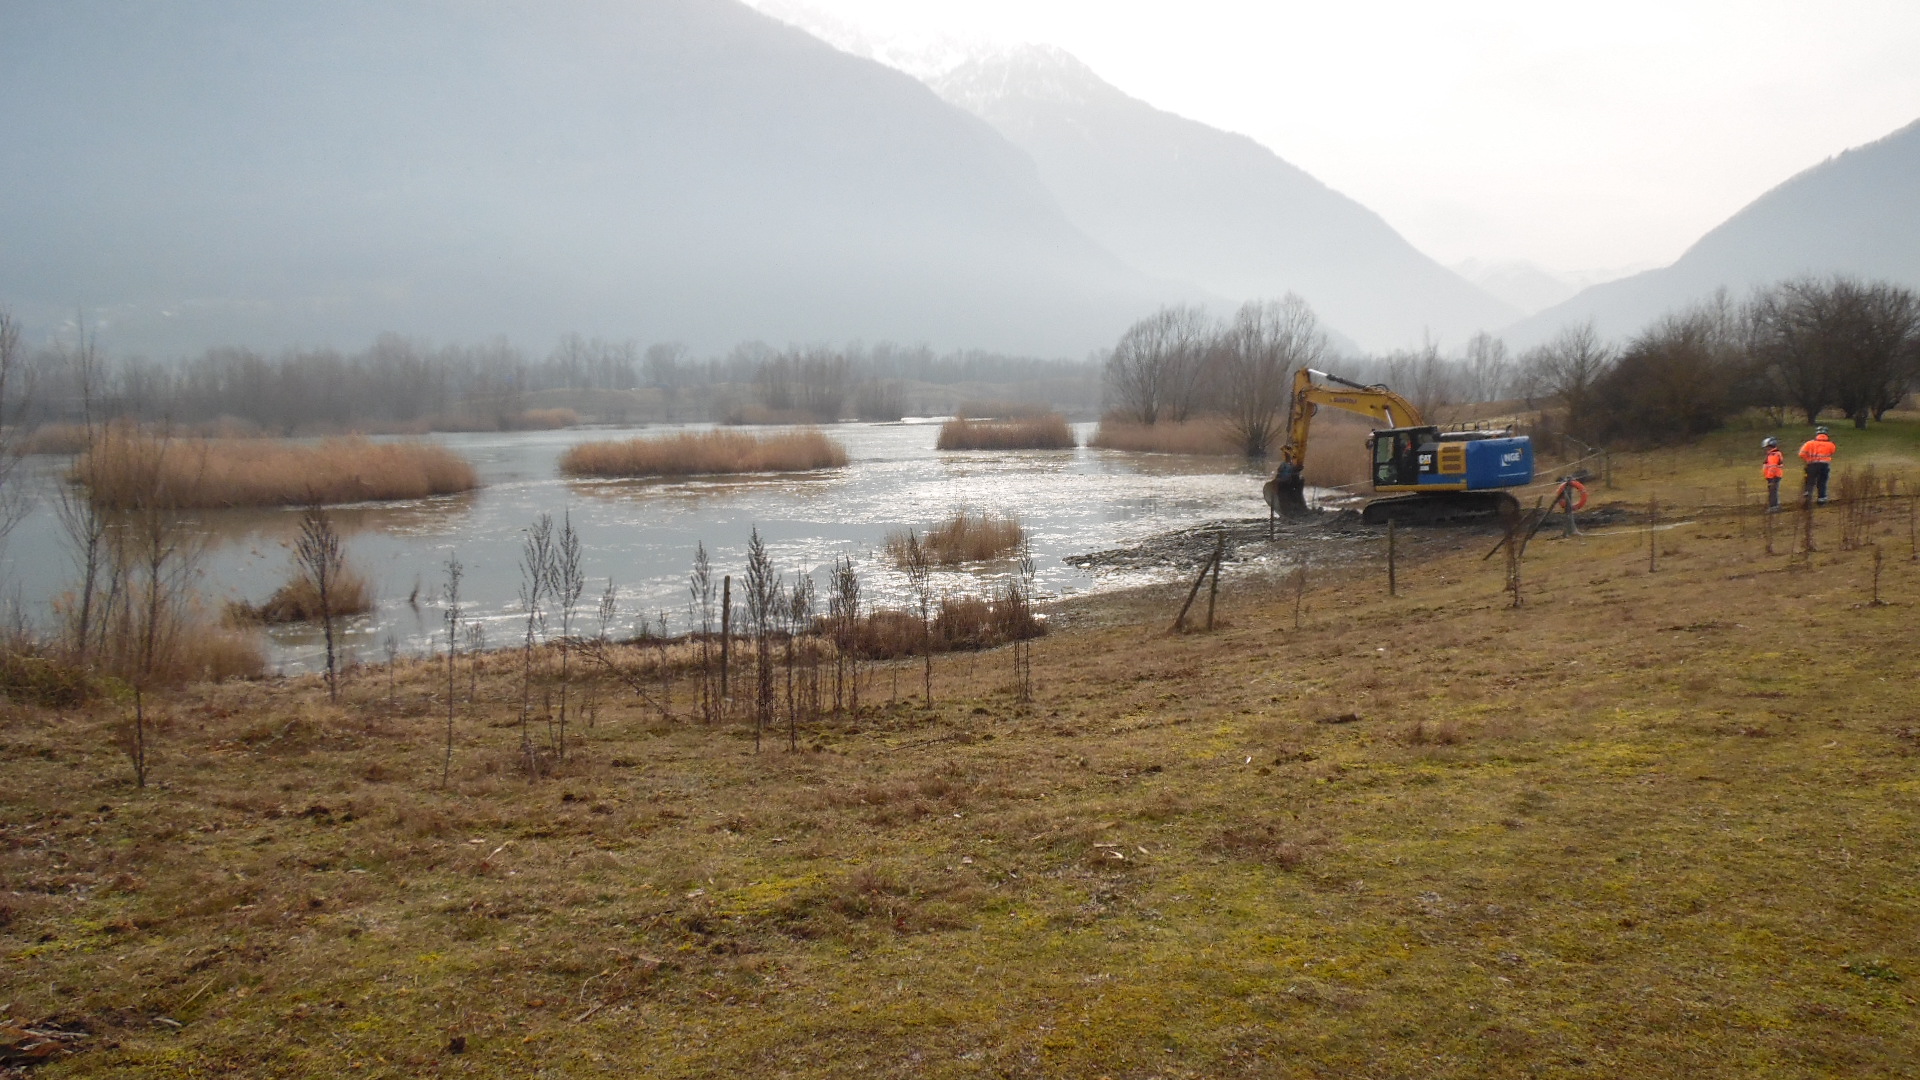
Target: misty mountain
1184 201
1525 286
208 171
1857 214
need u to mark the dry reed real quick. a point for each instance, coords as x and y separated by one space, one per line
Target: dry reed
705 452
298 601
959 624
126 468
1048 432
965 537
1337 453
1209 436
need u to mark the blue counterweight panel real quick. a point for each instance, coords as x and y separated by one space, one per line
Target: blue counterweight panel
1499 463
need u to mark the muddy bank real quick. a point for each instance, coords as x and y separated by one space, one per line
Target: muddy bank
1247 540
1326 535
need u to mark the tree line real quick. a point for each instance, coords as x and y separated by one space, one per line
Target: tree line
399 380
1807 346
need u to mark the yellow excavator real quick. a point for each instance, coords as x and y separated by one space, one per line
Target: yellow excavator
1425 475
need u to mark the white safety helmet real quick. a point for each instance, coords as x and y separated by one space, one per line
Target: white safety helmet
1769 443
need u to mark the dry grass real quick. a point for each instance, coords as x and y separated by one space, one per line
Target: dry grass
1048 432
125 467
967 536
692 454
1168 437
298 601
1646 825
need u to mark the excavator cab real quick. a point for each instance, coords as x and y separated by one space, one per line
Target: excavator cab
1402 455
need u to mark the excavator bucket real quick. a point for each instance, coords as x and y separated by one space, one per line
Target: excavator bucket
1286 493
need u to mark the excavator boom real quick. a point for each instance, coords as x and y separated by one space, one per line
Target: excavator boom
1286 492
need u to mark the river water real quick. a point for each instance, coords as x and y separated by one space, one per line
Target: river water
642 534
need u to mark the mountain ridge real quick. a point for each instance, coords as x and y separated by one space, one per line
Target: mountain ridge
1855 213
219 171
1182 200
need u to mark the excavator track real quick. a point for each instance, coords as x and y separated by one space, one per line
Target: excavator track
1440 508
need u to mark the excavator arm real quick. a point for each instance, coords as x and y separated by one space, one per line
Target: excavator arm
1286 492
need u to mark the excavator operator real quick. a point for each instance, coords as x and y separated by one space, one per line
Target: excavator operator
1818 453
1409 458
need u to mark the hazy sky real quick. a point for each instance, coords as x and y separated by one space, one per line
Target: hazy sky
1580 135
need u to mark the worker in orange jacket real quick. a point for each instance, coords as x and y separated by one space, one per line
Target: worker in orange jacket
1817 452
1773 471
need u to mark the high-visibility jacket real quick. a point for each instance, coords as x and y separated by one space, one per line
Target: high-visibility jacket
1776 465
1817 450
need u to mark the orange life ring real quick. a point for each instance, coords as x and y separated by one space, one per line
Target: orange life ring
1579 497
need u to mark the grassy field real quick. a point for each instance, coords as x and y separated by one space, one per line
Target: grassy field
1649 823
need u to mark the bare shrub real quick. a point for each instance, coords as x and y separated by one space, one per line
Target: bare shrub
1049 432
33 675
707 452
956 624
965 537
125 467
298 601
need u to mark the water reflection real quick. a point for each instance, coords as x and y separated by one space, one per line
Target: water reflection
642 534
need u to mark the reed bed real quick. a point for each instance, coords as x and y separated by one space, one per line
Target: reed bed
1209 436
965 537
1048 432
298 601
960 624
127 468
704 452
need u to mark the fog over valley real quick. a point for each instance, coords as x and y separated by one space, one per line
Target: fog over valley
214 172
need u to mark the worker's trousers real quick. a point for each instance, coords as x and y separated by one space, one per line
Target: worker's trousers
1816 481
1773 493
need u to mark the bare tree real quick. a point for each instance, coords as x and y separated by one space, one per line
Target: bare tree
700 591
317 554
82 517
918 563
153 556
844 604
1568 368
799 620
536 556
14 403
1486 371
566 582
1838 342
764 592
1153 373
1423 378
1257 356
